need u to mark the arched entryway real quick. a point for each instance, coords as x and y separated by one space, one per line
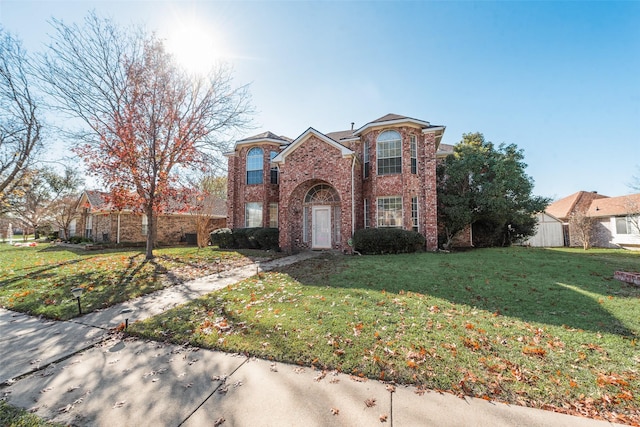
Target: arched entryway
321 217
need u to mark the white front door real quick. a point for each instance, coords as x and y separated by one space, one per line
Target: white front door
321 220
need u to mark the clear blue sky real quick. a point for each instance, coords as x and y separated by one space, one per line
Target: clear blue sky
559 79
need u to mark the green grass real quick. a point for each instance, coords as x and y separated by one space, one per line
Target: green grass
38 280
14 417
542 328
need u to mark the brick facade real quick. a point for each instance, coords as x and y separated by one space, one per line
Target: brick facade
101 224
330 167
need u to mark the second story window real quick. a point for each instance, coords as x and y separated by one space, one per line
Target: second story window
414 155
274 169
254 166
389 150
365 159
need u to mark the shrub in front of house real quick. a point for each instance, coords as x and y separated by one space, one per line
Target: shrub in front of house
387 241
246 238
267 238
222 238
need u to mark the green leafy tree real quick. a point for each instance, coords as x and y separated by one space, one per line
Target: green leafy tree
486 188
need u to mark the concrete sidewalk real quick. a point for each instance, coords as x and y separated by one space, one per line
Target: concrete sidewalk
79 373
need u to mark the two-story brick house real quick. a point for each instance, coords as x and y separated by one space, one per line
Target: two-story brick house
318 189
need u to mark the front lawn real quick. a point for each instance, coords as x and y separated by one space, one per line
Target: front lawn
38 280
542 328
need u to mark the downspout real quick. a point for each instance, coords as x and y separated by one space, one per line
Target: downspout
353 197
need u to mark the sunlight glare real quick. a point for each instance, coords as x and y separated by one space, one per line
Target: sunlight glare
194 47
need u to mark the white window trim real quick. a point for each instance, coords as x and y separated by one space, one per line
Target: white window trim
379 223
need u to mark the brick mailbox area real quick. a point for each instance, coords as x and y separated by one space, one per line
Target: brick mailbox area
627 277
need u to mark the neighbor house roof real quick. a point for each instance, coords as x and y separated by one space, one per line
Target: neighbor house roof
579 201
98 203
97 200
615 206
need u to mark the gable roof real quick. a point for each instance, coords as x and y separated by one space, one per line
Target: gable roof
267 136
615 206
280 158
392 119
579 201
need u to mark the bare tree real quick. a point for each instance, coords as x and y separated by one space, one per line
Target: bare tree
635 181
35 201
20 126
210 195
582 225
148 121
632 206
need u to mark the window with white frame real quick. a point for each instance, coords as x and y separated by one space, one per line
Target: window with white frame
390 211
145 225
274 169
254 166
414 213
273 215
88 227
414 154
389 151
366 213
627 225
253 214
365 159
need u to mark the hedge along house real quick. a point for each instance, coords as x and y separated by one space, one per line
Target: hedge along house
318 189
99 221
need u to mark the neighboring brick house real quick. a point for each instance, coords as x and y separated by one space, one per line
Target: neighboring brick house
616 219
318 189
563 209
99 221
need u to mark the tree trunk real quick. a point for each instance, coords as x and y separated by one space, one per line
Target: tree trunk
151 227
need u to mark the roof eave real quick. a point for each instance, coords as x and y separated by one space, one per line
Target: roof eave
393 122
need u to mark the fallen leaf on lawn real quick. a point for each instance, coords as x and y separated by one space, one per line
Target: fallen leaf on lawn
335 411
370 402
273 368
334 380
383 418
391 388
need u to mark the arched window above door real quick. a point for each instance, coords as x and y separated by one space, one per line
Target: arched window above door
322 194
